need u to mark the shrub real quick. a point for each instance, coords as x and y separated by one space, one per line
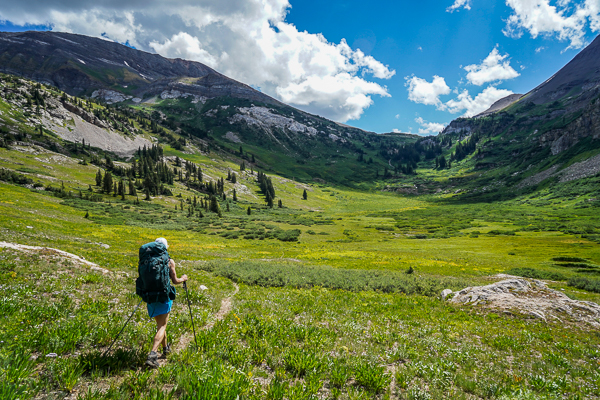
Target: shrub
536 274
303 276
589 284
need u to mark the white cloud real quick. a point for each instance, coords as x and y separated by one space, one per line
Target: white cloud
493 68
397 116
567 20
480 103
429 127
539 49
423 92
248 40
395 130
466 4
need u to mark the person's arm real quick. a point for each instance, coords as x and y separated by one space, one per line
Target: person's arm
173 274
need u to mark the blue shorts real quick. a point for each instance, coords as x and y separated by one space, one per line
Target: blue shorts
155 309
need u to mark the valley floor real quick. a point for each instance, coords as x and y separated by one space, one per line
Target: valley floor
328 311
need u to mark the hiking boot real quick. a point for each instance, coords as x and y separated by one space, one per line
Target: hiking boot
166 350
152 360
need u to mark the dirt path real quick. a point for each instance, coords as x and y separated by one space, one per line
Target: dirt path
224 310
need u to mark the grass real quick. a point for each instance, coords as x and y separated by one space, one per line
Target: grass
326 308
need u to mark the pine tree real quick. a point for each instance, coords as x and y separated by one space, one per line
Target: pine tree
280 204
214 204
227 206
107 182
99 178
132 191
234 195
87 214
122 189
233 178
249 211
305 195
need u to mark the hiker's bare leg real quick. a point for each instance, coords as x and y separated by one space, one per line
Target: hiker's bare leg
161 331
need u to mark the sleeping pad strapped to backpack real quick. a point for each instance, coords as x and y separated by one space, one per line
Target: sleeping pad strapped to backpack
153 285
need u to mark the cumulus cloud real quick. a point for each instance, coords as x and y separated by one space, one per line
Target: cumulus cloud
567 20
428 93
492 68
248 40
474 106
466 4
429 127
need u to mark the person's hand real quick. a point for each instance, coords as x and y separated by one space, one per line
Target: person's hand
184 278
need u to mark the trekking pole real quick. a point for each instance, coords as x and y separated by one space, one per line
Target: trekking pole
122 329
191 315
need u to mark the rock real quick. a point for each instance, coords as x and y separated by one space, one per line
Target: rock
202 287
529 297
446 293
537 314
110 96
100 269
51 355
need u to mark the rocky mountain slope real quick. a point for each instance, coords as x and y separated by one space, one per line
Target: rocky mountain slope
195 101
547 136
82 65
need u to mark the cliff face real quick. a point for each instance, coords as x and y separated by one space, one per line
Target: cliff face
80 65
588 124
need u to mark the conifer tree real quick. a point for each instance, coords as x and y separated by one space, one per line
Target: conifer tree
234 195
214 204
249 211
99 178
132 191
107 182
280 204
304 195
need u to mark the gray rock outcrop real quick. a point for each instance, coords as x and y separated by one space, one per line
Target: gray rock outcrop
531 298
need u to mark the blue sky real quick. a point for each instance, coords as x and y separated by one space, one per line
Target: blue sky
379 65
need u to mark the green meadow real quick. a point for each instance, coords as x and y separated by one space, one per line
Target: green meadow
339 293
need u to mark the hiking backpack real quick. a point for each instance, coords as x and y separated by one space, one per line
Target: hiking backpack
153 284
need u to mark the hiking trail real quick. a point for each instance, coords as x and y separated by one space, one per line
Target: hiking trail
224 310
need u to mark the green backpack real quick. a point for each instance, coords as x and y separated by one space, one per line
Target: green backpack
153 284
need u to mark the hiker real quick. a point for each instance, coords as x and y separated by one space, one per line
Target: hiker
157 272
